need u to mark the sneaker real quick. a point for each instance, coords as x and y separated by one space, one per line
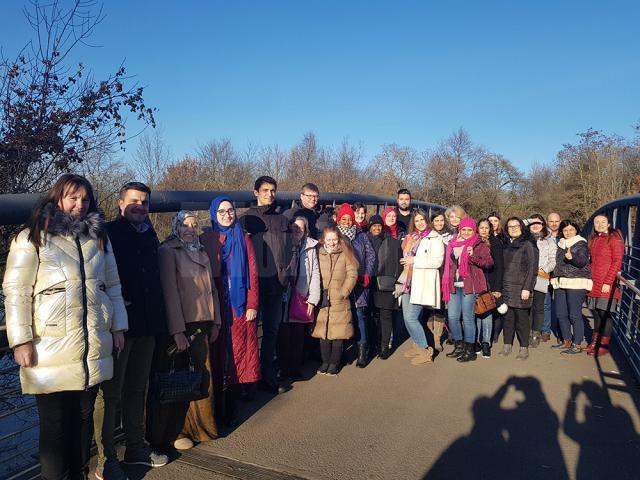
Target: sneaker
111 470
183 444
323 369
535 339
477 347
562 345
523 354
506 350
145 456
546 336
486 350
333 370
572 350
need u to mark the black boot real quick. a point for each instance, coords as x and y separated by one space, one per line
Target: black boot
458 349
469 354
486 350
362 356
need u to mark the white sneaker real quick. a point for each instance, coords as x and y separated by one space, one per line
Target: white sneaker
183 444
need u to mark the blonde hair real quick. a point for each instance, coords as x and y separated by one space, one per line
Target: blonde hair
457 209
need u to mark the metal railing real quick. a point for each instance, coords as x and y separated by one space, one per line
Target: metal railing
18 444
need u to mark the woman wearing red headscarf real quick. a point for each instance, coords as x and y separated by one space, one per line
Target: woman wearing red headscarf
388 253
466 259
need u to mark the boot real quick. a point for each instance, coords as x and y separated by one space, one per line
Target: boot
413 351
535 339
469 354
592 346
486 350
362 356
385 352
438 327
506 350
604 347
523 354
458 349
425 355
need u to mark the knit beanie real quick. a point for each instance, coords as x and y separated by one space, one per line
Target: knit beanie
345 209
468 222
375 219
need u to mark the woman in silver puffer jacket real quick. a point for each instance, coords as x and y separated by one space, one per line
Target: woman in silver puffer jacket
64 315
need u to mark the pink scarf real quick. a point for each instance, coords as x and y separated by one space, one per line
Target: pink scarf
463 264
410 246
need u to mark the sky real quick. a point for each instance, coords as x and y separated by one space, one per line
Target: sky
522 77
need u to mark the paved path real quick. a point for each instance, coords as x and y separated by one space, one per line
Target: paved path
553 416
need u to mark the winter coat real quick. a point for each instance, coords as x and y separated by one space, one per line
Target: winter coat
339 273
317 219
607 252
137 258
425 280
244 366
479 262
366 256
495 273
65 297
189 292
309 260
388 257
547 249
520 272
574 273
273 247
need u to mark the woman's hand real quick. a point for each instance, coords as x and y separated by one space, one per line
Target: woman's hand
496 294
23 354
118 340
181 341
406 261
470 250
310 308
606 288
568 255
251 315
524 295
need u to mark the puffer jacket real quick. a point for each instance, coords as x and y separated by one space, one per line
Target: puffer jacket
366 256
607 252
547 248
520 272
574 273
65 298
339 273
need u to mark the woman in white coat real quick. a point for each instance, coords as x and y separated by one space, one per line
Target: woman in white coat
423 254
65 315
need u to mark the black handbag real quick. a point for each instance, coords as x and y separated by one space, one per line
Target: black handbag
324 299
176 386
386 283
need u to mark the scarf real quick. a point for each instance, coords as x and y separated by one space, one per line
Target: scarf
350 232
362 226
234 256
463 264
176 222
410 246
393 229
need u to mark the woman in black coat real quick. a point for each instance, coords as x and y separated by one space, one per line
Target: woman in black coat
519 278
388 252
494 276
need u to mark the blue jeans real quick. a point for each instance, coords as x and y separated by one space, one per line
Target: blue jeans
461 304
270 314
361 316
550 320
412 320
568 303
484 326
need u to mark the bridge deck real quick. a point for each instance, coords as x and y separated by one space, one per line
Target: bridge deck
553 416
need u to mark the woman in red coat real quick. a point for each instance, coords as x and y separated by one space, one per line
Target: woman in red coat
235 356
607 250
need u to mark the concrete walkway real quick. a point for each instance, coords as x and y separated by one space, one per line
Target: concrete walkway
553 416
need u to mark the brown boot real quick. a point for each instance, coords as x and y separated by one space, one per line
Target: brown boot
438 328
414 351
425 355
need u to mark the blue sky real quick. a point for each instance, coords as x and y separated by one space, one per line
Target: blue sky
522 77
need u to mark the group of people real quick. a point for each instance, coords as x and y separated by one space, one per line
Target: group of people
95 309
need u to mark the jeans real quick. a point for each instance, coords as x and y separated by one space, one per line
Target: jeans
361 316
127 387
484 326
270 314
461 304
568 303
412 319
66 430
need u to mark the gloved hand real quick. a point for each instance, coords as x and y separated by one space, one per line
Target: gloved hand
365 280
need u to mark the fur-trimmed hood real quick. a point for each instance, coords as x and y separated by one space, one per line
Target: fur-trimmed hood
61 223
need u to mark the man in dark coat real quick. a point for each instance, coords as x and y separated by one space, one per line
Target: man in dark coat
317 218
135 246
403 209
275 256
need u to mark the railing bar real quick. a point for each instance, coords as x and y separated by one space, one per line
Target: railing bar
17 410
9 435
628 284
19 453
10 369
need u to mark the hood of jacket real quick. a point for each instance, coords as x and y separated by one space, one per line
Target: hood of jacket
61 223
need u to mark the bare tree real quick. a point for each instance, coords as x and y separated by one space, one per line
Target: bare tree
152 158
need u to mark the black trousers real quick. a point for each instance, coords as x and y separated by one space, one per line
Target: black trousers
386 327
290 346
516 320
66 431
331 351
537 311
602 322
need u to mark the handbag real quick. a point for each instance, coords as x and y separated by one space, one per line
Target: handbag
298 308
386 283
177 386
484 303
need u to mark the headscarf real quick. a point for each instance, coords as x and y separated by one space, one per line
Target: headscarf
234 256
350 233
463 263
176 222
393 230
